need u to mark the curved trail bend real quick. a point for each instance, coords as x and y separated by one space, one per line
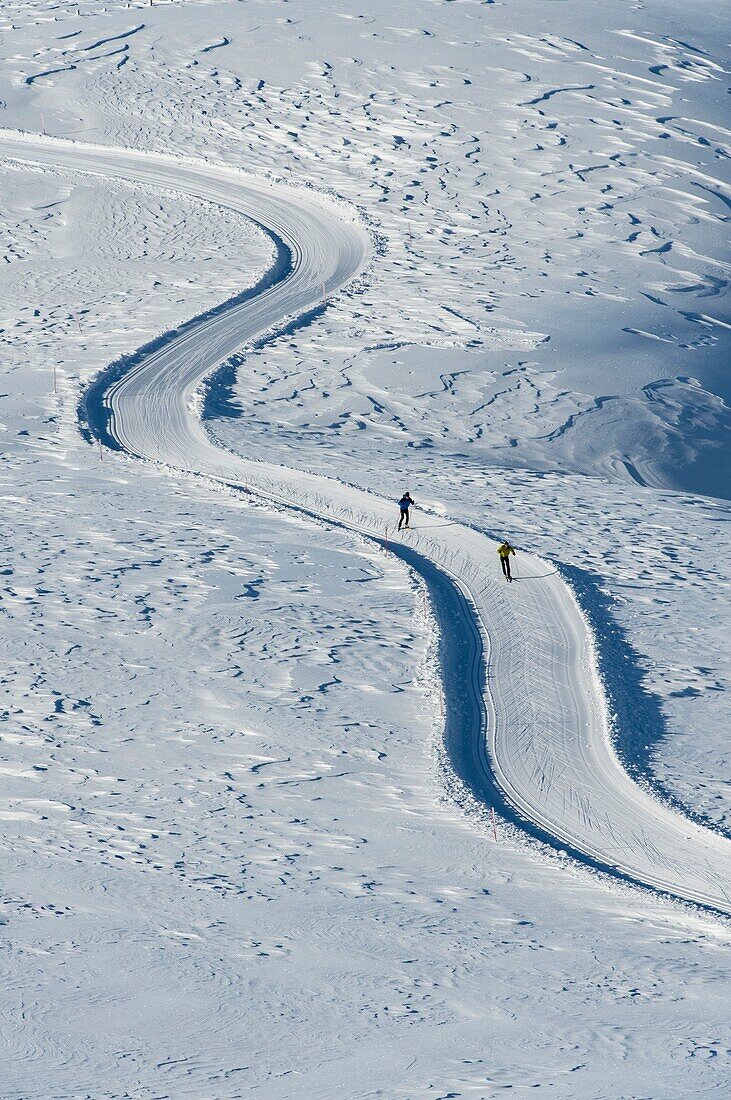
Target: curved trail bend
536 702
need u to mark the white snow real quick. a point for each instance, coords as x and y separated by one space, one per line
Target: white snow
236 857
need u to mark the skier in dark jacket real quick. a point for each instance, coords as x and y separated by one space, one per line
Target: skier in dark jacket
404 504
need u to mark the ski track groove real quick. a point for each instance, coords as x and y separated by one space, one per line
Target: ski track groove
524 650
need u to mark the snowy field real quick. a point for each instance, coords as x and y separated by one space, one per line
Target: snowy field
235 859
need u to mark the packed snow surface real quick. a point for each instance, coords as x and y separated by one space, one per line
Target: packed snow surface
250 839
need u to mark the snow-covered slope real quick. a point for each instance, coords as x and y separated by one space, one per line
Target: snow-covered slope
546 720
550 185
228 859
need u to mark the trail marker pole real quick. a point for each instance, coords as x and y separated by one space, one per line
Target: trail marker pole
494 827
385 543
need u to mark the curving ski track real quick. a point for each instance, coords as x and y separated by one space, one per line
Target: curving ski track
518 663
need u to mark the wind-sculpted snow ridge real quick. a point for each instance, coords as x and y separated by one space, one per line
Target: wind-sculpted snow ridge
527 726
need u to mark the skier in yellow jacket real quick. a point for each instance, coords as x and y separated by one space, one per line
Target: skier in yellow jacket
505 550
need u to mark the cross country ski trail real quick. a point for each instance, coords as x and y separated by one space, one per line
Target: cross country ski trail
535 702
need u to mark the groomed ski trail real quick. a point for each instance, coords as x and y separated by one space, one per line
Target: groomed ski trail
519 668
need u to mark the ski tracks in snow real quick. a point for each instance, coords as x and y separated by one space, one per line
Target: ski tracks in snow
527 726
